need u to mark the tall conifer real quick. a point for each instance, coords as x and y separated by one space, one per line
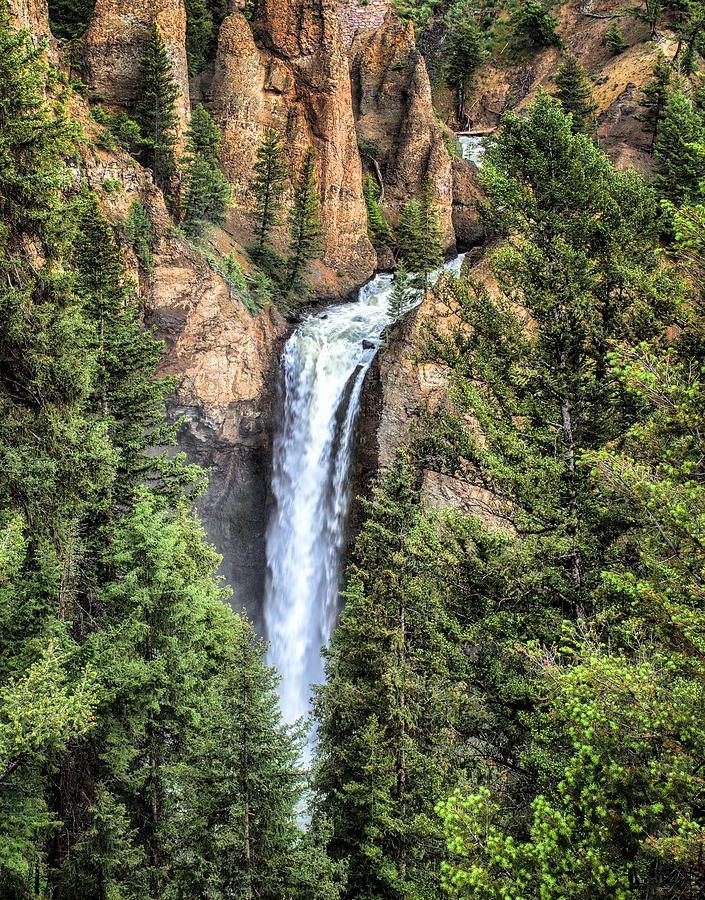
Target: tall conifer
304 224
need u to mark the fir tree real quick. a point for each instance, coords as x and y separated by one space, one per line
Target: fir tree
464 54
649 11
402 292
614 40
680 151
137 228
70 18
268 186
655 98
207 190
377 226
573 90
304 224
533 26
155 110
419 236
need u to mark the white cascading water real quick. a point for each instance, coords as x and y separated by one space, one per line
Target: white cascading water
322 371
473 148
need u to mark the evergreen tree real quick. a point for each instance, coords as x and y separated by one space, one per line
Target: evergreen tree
207 190
533 26
70 18
155 110
203 20
680 151
137 229
655 99
377 226
388 713
649 12
614 40
573 90
304 224
464 54
402 293
419 237
268 186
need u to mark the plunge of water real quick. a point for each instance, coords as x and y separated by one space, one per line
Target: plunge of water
322 370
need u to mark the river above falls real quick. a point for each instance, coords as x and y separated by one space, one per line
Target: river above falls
322 370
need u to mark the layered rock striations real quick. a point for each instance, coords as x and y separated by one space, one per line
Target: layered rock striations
294 78
396 125
114 42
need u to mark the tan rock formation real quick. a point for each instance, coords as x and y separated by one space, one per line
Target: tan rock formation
226 364
466 195
355 16
295 79
394 113
33 14
114 42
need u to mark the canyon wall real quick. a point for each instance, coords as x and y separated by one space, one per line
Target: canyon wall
115 40
294 78
395 121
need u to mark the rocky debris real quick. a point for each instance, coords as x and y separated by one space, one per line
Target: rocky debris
355 15
396 125
294 79
114 41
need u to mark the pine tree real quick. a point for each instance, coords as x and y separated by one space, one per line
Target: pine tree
304 225
680 151
655 99
650 13
155 110
614 40
271 173
70 18
207 190
464 55
419 236
377 226
402 293
573 90
137 228
386 740
533 26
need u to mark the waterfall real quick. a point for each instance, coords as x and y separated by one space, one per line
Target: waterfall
322 370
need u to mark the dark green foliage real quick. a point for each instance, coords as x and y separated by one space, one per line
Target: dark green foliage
680 151
155 110
207 190
377 226
402 292
120 664
614 40
137 228
533 26
419 237
649 12
573 90
655 98
126 132
203 21
464 54
269 184
305 228
70 18
390 715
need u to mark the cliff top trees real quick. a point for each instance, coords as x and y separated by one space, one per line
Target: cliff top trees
155 110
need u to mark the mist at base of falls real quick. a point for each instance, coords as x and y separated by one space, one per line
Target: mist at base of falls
322 371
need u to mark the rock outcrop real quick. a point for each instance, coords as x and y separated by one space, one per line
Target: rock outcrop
466 195
395 122
294 78
32 14
355 16
225 362
114 43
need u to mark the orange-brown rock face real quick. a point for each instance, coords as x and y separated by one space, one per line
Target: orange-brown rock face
114 42
354 16
394 113
33 14
294 79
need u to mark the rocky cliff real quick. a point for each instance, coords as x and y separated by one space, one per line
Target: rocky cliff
294 78
395 122
225 361
32 14
114 41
